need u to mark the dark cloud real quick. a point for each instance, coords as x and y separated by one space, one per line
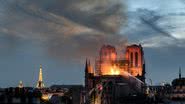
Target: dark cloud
69 29
150 18
85 45
153 28
102 15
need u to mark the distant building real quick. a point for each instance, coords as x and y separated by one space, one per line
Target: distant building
72 93
25 95
20 84
178 85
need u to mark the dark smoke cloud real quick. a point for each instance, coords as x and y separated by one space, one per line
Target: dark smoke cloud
152 28
69 29
85 46
150 18
101 15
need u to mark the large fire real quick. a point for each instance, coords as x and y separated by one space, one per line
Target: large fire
108 69
115 70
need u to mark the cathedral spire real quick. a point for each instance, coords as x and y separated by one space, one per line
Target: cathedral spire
179 72
86 66
40 83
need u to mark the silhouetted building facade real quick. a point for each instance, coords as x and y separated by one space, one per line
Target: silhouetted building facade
24 95
178 87
72 93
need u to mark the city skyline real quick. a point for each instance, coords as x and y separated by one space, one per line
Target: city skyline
60 35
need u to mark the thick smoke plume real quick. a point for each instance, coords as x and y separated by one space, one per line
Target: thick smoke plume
69 29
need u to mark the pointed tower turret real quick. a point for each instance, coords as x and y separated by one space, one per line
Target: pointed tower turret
40 83
89 74
90 68
143 72
86 74
179 72
86 67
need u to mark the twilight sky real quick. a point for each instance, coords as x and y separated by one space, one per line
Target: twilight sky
60 34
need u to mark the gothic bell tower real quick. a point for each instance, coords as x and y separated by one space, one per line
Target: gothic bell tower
135 56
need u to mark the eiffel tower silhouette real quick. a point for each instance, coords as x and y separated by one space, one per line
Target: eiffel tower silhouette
40 83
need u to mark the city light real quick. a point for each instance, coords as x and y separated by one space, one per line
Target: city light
45 97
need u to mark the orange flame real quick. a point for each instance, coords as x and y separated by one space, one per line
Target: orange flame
107 69
115 71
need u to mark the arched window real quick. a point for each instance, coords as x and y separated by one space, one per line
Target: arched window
136 59
131 58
